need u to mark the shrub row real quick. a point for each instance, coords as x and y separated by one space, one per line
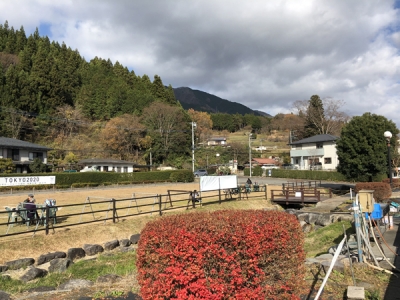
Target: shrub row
298 174
382 190
222 255
65 180
395 182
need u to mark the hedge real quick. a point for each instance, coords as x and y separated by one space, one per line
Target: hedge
231 254
81 179
299 174
382 190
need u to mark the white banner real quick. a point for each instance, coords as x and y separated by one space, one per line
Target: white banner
27 180
210 183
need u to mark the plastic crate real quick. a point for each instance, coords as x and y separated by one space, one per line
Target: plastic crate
376 213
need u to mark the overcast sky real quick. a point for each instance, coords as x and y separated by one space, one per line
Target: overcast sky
263 54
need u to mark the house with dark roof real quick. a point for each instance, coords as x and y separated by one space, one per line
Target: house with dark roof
22 153
316 152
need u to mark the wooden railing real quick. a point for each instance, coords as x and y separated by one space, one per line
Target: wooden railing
96 209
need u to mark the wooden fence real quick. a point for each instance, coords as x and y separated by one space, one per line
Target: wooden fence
96 209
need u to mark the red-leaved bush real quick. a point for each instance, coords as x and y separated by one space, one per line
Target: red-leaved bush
382 190
222 255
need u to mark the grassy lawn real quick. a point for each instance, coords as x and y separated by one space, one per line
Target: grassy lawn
123 264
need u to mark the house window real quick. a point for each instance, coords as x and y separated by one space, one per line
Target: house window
327 160
105 169
33 155
320 145
125 169
15 154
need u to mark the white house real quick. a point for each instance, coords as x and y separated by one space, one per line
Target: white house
22 153
318 151
110 165
217 141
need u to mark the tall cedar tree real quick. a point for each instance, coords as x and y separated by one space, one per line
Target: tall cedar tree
314 117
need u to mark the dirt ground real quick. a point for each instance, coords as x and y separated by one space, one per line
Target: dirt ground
63 238
68 196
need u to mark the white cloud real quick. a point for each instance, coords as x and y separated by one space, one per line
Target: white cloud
263 54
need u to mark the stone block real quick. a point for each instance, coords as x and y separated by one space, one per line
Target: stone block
111 245
134 238
92 249
355 293
75 253
20 263
44 258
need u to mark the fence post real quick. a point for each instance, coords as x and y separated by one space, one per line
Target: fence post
160 204
287 195
219 195
47 219
266 191
302 196
114 209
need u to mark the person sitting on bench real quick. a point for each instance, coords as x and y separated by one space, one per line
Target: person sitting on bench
195 198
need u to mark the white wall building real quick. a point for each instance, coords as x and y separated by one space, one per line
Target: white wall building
109 165
316 152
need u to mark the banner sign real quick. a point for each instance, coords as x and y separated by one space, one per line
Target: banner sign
210 183
27 180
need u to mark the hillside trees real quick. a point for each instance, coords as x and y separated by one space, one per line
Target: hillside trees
224 121
123 137
362 149
203 124
169 128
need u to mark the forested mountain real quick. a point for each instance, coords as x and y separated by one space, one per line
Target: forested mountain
202 101
50 95
39 76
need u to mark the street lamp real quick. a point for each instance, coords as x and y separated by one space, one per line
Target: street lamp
193 125
250 152
388 136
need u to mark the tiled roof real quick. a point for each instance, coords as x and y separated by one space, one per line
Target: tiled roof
263 161
14 143
316 139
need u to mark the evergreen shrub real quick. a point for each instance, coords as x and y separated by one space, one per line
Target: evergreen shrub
308 175
382 190
257 171
250 254
182 176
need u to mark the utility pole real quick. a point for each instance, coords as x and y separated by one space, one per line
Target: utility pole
193 125
250 152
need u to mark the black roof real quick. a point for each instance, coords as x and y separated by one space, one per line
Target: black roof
316 139
14 143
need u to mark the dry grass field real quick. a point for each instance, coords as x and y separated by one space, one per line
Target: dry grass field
27 245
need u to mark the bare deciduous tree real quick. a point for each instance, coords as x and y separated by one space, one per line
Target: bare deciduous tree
328 121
